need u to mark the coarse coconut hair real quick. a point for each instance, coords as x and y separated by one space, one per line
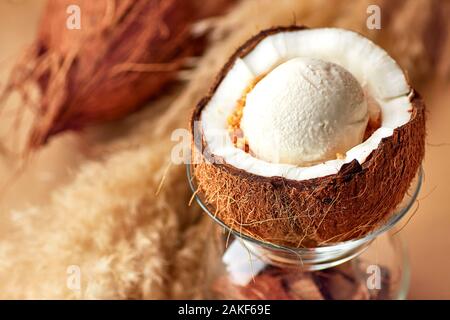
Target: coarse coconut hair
334 201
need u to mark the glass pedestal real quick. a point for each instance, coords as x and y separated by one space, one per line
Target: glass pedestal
372 267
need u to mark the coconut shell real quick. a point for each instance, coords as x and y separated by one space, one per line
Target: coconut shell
310 213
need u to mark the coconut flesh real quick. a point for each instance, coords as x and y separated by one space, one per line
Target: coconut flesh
370 65
312 170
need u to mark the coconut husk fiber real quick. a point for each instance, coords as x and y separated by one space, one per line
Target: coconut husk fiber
85 75
132 236
347 205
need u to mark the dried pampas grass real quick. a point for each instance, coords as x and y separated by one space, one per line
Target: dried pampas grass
131 236
109 222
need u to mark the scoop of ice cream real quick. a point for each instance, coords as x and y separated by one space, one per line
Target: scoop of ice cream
303 112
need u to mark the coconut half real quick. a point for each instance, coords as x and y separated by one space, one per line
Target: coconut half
330 201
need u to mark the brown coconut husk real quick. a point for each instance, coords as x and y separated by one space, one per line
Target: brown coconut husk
313 212
124 54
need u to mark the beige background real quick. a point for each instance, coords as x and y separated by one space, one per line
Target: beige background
427 234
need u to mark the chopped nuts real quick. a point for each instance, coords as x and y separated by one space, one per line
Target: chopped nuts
234 119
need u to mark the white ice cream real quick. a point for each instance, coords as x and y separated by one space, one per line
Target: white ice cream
303 112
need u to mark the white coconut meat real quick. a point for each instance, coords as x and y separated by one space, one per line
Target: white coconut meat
371 66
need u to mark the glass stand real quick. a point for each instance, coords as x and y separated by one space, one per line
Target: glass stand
372 267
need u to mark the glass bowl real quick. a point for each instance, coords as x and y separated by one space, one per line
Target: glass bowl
379 256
